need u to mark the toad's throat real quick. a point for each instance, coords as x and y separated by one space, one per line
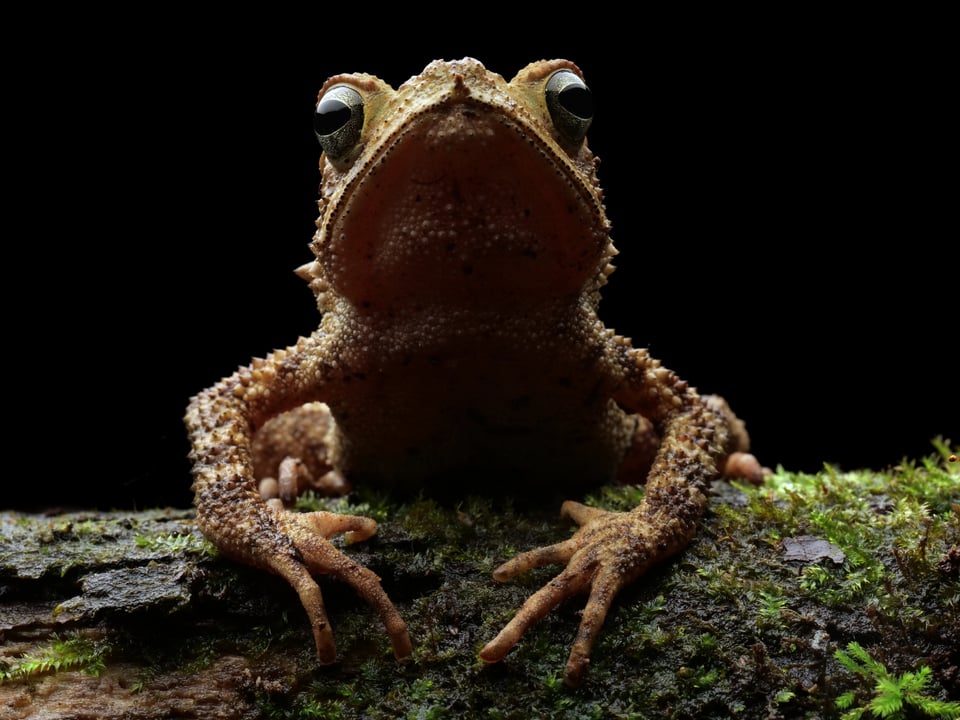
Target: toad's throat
465 202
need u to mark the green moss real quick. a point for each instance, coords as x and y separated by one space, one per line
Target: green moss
373 505
617 497
730 627
892 696
175 543
69 652
772 616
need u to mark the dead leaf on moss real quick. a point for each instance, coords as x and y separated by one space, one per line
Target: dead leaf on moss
807 548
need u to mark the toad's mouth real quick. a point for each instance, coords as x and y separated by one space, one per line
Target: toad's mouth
465 203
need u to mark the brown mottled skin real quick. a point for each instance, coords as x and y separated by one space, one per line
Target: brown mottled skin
460 250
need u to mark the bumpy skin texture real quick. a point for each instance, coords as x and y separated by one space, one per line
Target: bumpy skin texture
460 250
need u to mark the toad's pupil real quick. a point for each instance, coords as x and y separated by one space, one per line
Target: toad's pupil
332 114
577 100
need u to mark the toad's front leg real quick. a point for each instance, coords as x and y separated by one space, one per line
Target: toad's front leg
230 513
608 552
612 549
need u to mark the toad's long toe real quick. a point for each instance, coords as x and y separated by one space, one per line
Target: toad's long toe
566 584
610 550
309 533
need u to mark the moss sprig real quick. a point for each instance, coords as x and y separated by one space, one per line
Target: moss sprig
892 694
72 652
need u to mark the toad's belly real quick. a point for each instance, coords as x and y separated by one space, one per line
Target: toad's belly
444 427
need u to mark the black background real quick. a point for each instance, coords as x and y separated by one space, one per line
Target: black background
780 190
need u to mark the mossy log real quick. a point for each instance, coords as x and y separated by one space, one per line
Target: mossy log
133 615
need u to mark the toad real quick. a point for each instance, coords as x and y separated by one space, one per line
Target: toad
460 250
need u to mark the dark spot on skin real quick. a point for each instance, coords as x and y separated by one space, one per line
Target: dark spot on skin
467 270
564 382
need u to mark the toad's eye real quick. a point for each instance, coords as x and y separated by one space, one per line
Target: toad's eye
338 120
570 104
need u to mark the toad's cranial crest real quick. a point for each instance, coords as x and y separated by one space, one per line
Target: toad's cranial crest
460 250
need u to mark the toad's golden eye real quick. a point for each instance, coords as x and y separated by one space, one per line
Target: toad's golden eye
339 120
570 104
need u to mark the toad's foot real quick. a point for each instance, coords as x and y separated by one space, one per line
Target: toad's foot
310 533
609 551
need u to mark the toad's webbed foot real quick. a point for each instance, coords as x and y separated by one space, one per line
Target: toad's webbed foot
310 533
609 551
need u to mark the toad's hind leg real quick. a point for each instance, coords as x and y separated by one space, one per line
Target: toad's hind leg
296 446
292 453
738 464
